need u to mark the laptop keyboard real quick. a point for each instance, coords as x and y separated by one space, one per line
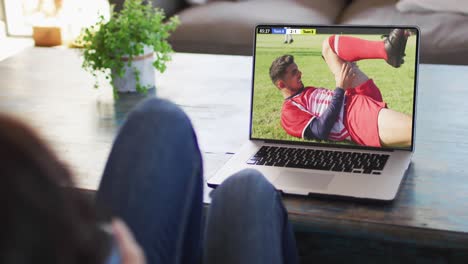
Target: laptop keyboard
328 160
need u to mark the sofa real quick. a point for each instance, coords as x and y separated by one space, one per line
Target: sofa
226 27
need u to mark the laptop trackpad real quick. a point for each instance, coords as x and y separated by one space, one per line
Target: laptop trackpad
295 180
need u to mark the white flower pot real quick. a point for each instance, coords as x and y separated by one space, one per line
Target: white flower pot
144 64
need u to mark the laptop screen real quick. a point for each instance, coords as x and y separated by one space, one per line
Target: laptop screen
335 85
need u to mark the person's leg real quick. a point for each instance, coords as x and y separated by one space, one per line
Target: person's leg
247 223
335 64
153 181
391 49
395 128
355 49
361 83
369 89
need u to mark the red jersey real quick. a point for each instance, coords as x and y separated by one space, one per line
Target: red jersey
300 109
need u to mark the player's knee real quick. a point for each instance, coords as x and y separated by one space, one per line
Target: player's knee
327 45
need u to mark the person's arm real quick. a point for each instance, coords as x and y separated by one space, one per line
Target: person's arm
320 127
130 252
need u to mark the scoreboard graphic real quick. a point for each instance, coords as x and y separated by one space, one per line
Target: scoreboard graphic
286 30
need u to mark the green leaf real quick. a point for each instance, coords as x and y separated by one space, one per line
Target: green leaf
126 34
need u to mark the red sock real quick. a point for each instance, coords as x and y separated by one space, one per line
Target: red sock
354 49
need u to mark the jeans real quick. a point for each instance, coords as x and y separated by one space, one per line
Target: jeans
153 180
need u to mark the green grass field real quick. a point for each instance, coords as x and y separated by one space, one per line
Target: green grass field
395 84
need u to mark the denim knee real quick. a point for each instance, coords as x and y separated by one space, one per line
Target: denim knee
163 110
249 178
246 183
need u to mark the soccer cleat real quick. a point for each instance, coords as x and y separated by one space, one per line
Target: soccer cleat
291 41
395 44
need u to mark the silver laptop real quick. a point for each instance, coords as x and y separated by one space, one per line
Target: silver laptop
332 109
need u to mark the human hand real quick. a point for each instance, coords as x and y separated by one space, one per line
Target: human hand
345 77
130 251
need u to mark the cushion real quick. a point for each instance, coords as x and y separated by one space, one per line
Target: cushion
443 35
227 27
455 6
197 2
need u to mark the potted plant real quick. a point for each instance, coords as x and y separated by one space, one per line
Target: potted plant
129 47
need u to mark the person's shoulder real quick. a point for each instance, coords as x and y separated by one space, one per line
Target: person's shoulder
310 89
288 105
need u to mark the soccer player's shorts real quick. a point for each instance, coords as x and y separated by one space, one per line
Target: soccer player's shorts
363 104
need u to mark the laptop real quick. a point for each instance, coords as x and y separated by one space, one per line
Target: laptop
309 137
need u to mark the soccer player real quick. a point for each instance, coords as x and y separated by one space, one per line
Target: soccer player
288 38
355 110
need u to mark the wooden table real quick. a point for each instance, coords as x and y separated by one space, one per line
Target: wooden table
47 88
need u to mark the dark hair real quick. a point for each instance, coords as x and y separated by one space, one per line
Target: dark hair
43 219
278 67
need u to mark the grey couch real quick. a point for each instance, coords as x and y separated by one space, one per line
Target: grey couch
226 27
